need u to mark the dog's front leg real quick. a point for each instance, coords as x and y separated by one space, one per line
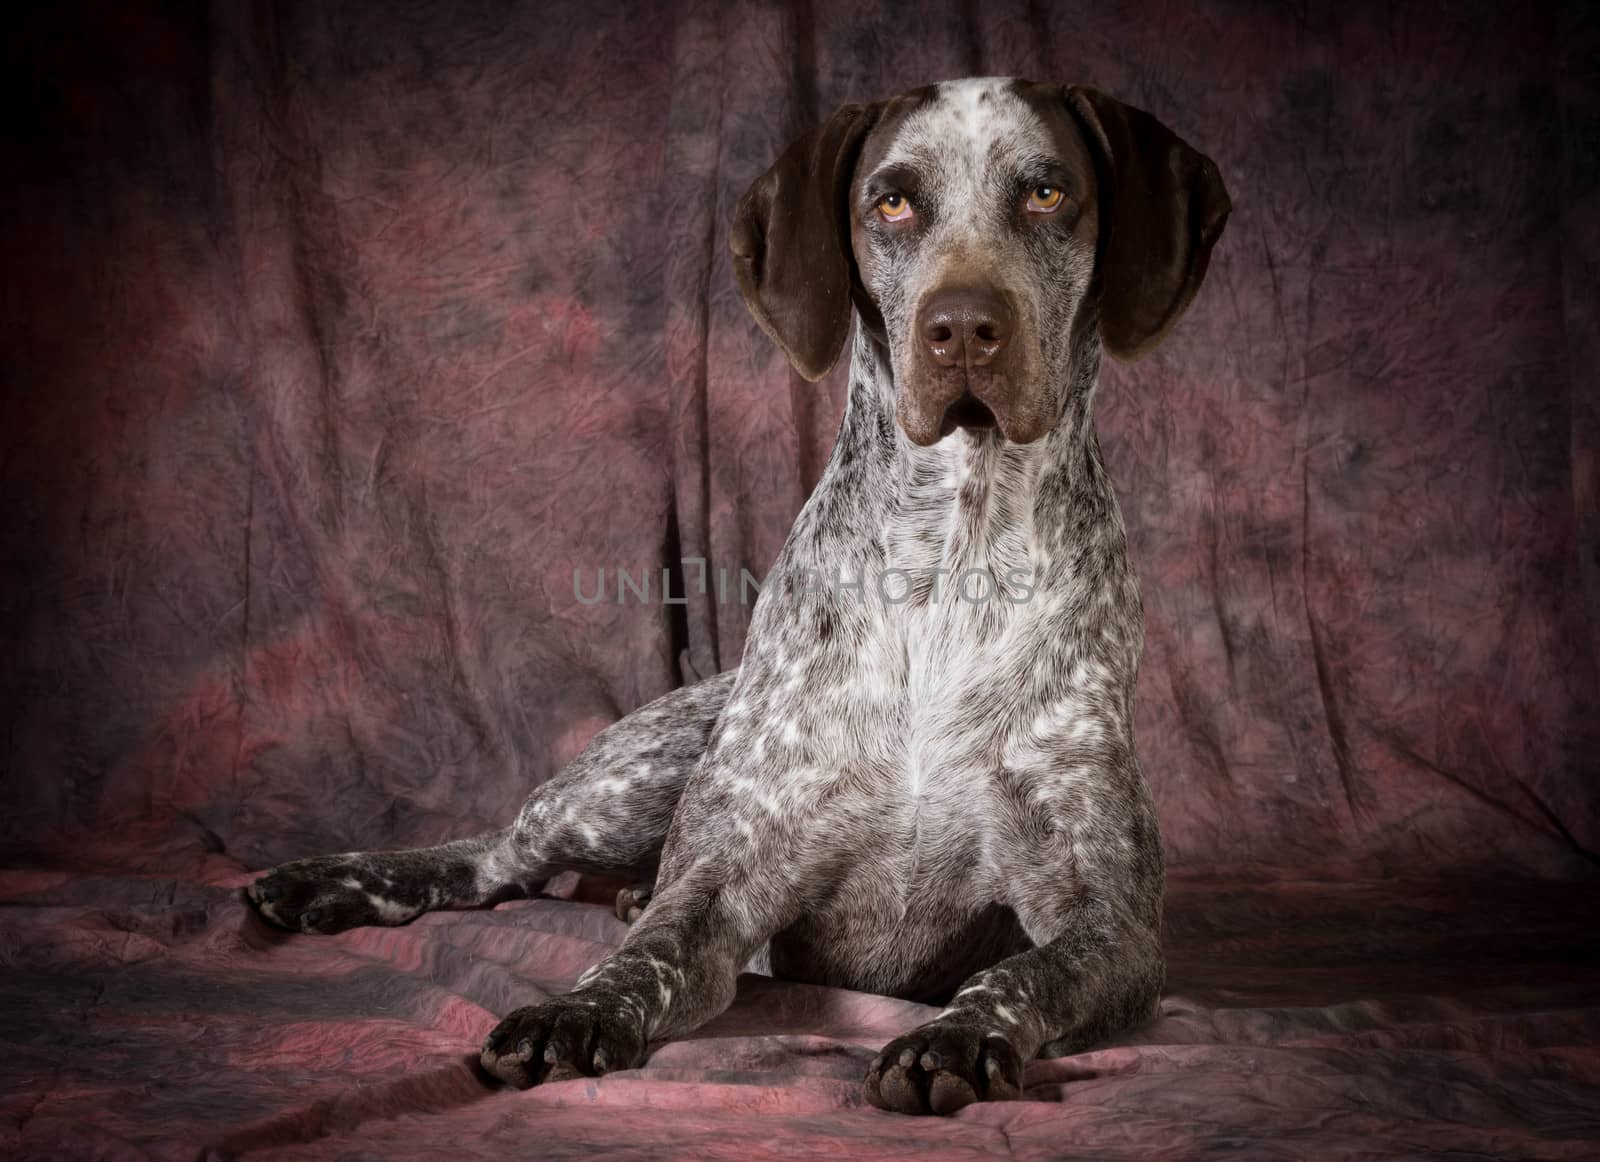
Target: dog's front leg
675 971
1102 972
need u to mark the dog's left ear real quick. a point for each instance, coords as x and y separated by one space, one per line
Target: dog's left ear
1162 209
791 242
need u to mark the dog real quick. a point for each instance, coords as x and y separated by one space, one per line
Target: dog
906 787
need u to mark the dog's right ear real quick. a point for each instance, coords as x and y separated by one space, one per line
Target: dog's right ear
791 242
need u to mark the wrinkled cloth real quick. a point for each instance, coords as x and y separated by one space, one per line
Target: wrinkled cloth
158 1018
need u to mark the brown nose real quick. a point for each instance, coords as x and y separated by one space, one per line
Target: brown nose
965 326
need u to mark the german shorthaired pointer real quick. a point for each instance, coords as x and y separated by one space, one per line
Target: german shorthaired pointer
921 779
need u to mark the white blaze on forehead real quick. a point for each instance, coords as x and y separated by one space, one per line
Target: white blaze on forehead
952 139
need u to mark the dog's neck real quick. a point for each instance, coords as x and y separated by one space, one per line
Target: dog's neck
907 527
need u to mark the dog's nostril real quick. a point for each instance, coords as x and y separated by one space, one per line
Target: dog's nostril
940 334
988 333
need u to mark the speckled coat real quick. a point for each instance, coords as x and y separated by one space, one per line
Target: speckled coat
921 780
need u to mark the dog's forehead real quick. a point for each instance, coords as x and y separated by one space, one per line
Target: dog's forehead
967 127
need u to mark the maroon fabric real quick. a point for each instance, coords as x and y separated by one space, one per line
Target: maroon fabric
336 338
156 1018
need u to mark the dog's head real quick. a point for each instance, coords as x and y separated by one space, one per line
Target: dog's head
975 225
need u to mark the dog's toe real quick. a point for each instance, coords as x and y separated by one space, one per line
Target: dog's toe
513 1051
905 1084
631 901
949 1092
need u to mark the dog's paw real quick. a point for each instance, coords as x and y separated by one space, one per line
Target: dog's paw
631 902
942 1067
578 1035
327 894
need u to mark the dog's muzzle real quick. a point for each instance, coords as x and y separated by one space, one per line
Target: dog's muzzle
962 371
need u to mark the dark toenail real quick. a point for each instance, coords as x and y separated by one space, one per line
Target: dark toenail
550 1054
310 917
268 893
908 1058
931 1060
495 1040
602 1062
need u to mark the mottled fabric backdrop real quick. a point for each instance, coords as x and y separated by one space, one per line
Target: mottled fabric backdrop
337 338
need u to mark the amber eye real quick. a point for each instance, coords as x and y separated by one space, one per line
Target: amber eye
1044 199
894 208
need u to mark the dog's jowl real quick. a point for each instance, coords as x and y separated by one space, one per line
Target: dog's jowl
921 779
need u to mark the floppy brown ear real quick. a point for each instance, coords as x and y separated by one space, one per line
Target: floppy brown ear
1162 209
791 242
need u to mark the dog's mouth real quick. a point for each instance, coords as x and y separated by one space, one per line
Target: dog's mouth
926 418
967 412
